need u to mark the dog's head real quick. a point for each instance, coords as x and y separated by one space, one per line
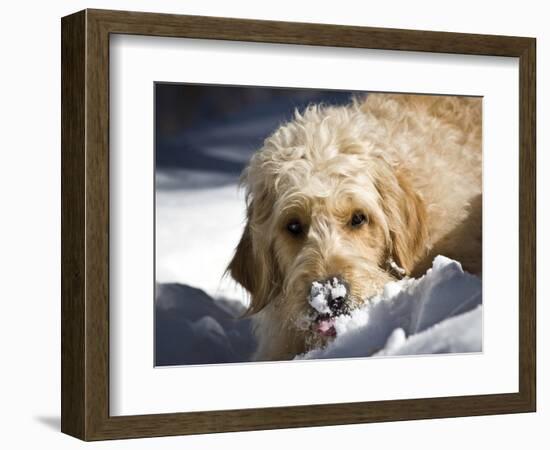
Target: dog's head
327 213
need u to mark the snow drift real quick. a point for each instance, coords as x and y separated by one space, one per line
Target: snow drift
193 328
440 312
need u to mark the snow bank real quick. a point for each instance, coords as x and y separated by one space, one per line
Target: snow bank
191 246
193 328
459 334
440 312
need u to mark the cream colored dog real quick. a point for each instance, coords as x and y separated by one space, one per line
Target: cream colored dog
345 199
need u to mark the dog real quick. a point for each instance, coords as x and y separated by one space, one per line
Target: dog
343 199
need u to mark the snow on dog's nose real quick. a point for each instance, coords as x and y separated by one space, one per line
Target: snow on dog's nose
328 298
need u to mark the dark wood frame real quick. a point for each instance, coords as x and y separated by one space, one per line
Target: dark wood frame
85 224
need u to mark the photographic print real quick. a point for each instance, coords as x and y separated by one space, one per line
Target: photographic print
296 224
234 230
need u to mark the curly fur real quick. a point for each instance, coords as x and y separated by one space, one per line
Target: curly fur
410 163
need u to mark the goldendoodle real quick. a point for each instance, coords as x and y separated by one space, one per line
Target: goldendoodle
343 199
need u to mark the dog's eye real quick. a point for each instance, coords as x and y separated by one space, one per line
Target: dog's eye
357 220
294 227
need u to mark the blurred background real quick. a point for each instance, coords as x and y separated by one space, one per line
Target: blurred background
204 138
206 134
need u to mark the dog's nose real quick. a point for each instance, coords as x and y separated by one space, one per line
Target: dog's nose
336 303
329 295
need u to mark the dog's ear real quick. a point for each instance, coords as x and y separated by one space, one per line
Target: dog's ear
253 267
407 222
242 265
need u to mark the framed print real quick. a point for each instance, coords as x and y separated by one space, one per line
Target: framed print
270 224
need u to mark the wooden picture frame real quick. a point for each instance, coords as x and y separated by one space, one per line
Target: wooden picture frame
85 224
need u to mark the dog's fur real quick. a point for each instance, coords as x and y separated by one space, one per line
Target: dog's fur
410 163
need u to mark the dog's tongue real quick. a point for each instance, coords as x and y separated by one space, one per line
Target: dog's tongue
325 327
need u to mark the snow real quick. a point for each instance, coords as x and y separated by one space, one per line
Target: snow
321 293
318 298
459 334
193 328
338 289
192 247
440 312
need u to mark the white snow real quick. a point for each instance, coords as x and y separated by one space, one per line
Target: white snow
459 334
440 312
337 289
197 231
318 298
193 328
321 293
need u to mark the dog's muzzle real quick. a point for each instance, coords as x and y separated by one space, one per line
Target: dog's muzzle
329 298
